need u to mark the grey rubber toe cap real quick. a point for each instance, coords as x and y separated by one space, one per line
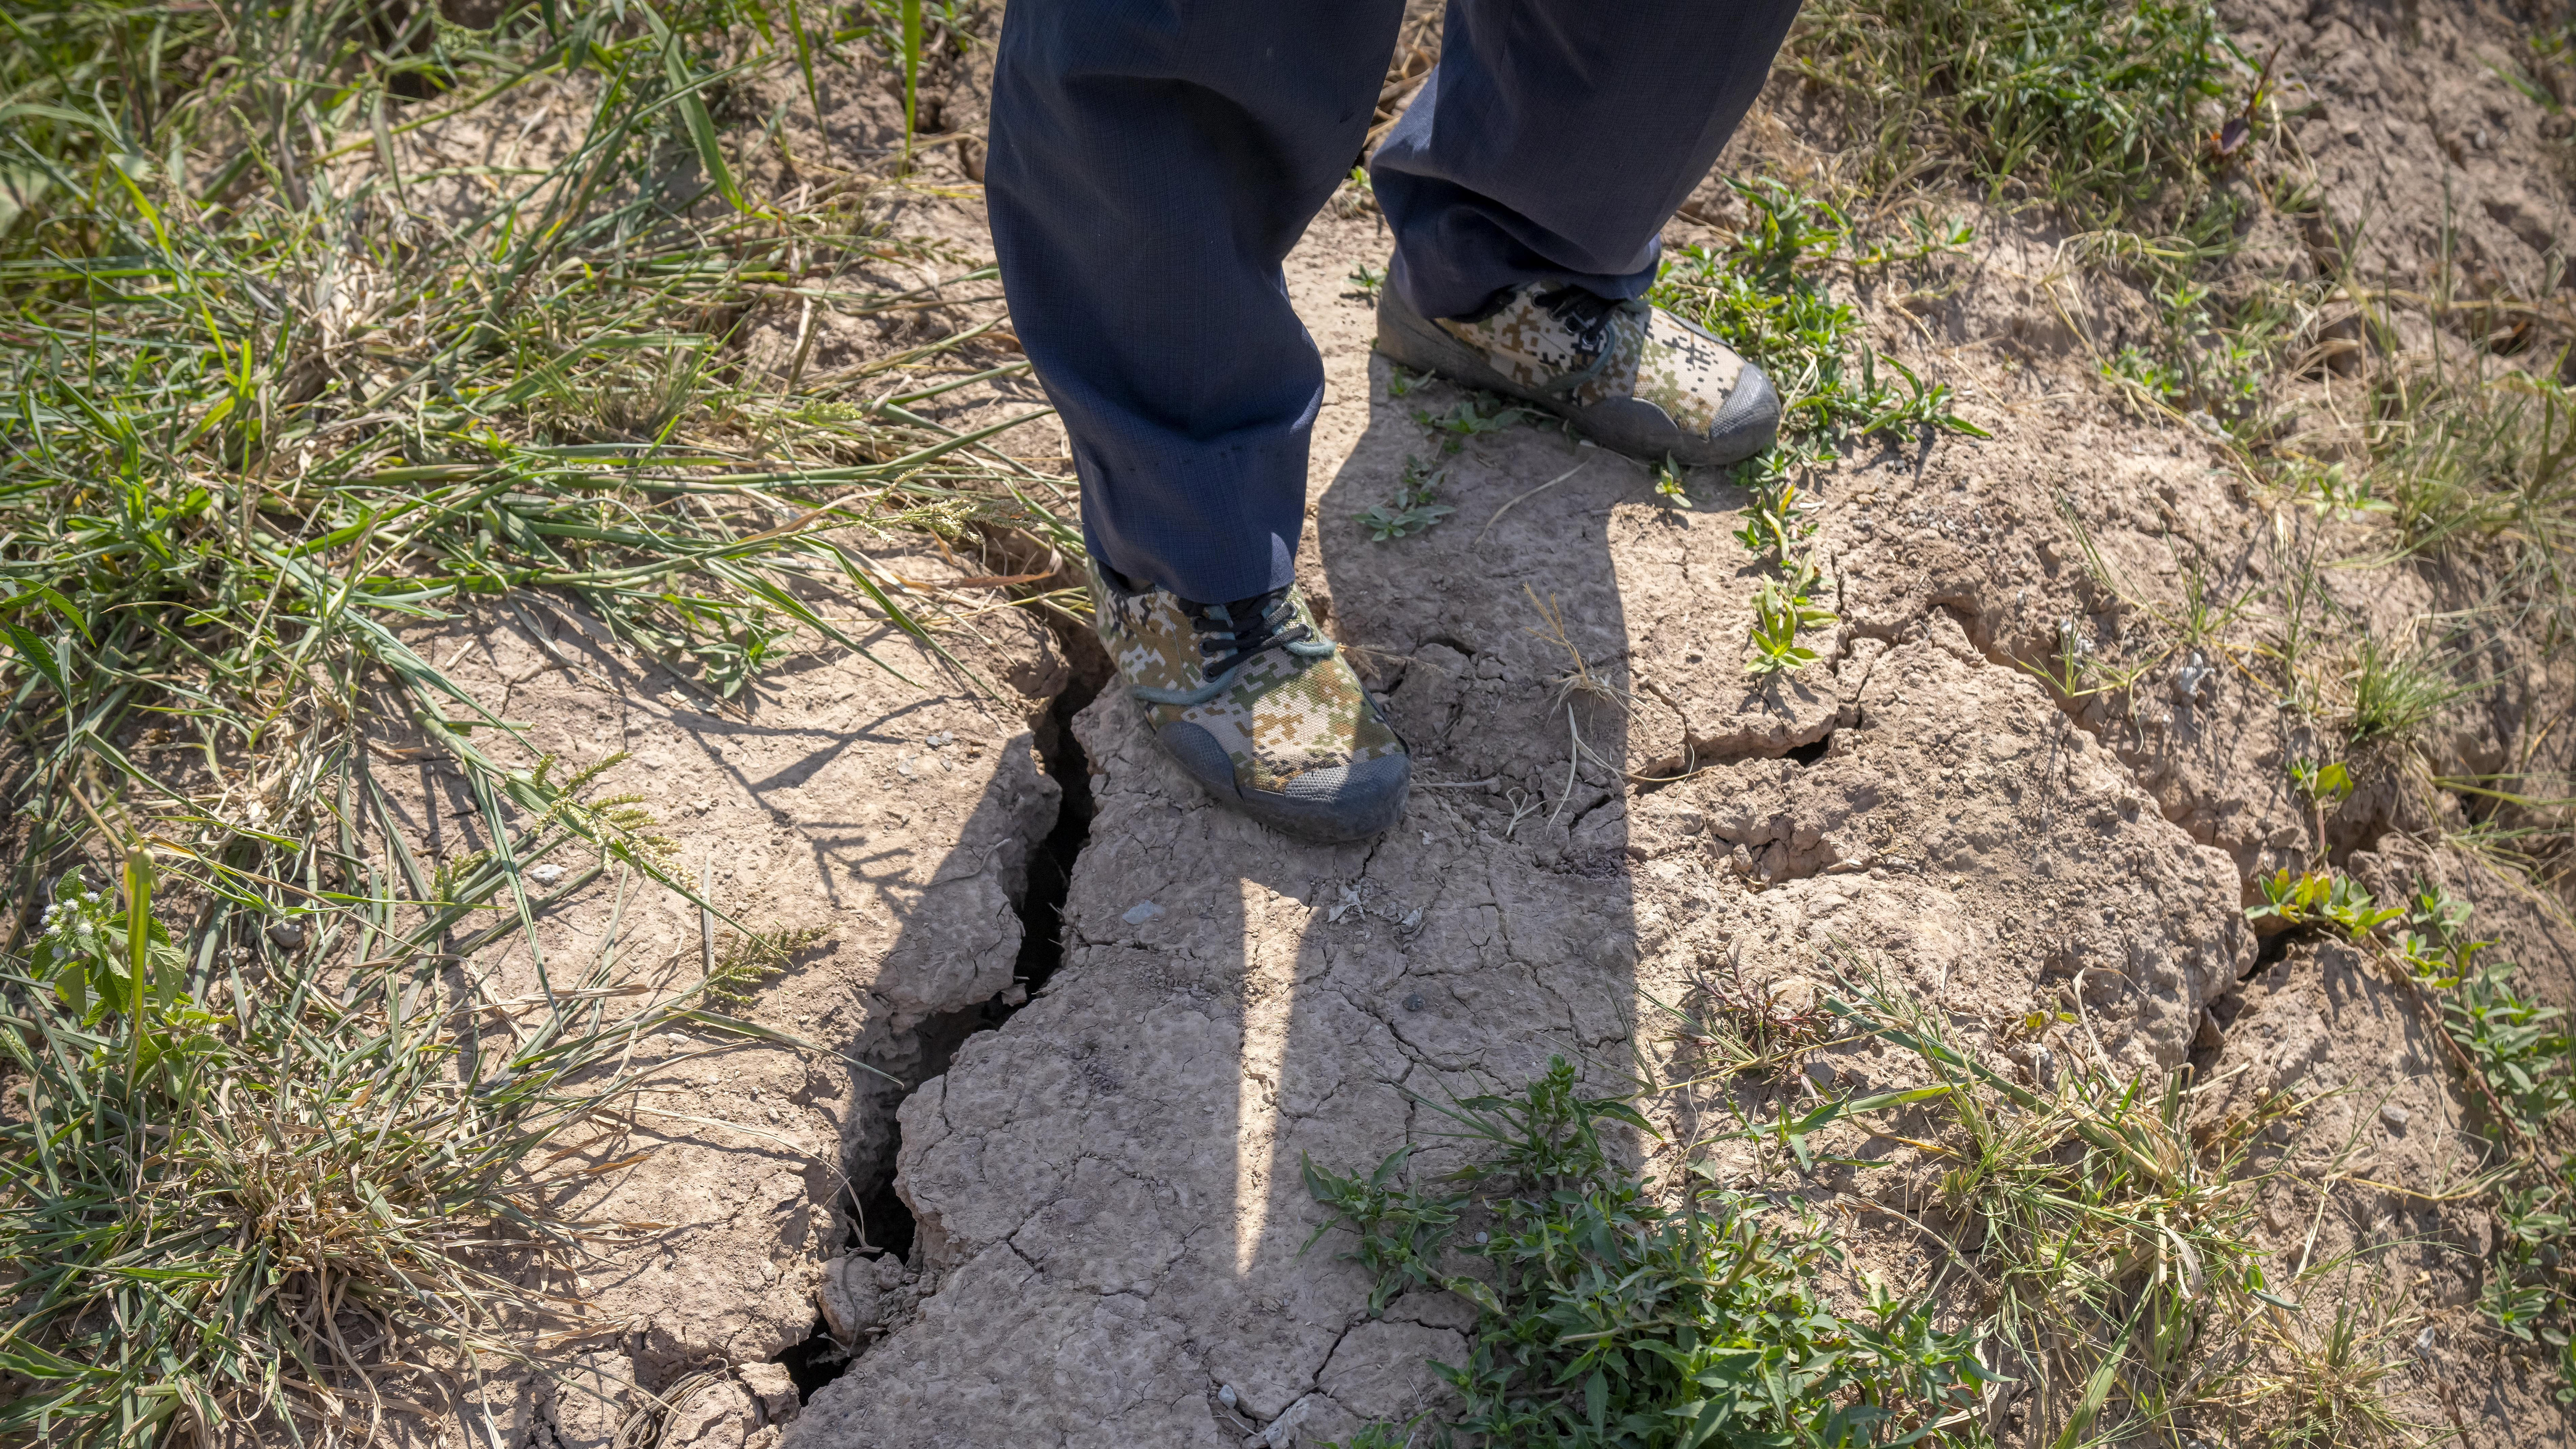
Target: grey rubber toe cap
1343 802
1748 422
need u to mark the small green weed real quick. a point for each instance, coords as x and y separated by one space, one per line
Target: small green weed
1668 483
2331 490
1780 611
2523 1297
1412 509
1924 240
2520 1047
2204 361
1471 418
1777 521
1764 295
2146 372
1624 1312
2321 898
2521 1059
2324 784
1366 282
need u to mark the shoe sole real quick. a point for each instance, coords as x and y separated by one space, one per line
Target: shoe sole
1356 803
1640 429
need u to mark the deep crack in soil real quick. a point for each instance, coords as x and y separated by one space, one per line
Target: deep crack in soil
881 1223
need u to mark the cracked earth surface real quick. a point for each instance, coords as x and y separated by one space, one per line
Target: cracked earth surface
1110 1233
1108 1186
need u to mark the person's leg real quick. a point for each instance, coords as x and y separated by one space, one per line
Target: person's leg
1151 165
1555 137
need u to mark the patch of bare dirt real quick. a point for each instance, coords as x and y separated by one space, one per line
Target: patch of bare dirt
883 831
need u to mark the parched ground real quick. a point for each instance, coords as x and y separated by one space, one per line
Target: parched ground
1095 1229
886 829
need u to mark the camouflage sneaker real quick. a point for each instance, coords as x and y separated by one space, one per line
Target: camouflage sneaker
1634 377
1258 706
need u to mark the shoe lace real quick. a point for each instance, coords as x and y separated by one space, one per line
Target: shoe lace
1591 318
1231 635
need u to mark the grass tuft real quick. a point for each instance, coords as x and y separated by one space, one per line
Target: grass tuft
2397 690
2099 106
247 1198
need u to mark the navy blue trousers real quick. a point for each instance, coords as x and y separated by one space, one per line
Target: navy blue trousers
1152 162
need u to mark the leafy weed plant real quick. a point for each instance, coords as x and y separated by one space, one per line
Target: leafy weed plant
1765 296
1780 612
1471 418
1412 509
2521 1060
1616 1311
2321 898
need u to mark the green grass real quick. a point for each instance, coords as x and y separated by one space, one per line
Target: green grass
2096 106
2397 689
2481 466
2138 123
282 392
229 1156
2111 1251
1615 1311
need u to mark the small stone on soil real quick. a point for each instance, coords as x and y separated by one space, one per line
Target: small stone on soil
2393 1115
1141 912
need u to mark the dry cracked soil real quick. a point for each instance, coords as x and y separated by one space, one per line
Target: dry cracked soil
1024 1167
